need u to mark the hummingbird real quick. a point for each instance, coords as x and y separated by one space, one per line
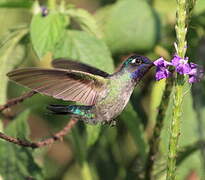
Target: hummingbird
102 96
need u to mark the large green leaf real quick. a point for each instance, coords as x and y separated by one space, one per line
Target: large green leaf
18 162
85 20
47 32
166 9
86 48
129 26
200 7
14 18
11 54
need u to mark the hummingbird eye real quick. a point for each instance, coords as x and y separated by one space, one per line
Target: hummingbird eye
136 62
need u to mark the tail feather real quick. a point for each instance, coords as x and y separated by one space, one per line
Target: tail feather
58 109
71 109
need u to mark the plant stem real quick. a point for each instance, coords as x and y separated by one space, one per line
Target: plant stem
175 132
17 100
57 136
184 7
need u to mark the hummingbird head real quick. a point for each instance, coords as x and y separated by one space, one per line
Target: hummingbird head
137 66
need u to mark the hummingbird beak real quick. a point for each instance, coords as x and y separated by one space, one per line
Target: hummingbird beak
151 65
147 67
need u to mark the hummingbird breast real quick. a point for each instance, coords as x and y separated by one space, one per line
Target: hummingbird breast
117 96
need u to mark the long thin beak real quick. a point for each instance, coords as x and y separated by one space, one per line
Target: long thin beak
150 65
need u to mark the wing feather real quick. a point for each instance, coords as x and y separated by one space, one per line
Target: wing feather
78 66
69 85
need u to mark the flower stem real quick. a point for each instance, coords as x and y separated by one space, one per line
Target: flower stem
175 132
184 8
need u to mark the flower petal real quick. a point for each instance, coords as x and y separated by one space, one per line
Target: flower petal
162 73
161 62
192 79
176 60
196 73
183 68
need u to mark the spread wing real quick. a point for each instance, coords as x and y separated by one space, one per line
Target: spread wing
74 65
68 85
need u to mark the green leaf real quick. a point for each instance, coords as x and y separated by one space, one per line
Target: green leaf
85 20
130 26
200 7
165 8
102 14
14 17
81 46
47 32
11 54
18 162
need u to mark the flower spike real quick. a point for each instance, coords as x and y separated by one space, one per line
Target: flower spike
182 66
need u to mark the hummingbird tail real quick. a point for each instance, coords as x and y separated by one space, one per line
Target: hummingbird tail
85 111
58 109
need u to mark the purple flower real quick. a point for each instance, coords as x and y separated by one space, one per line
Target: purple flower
182 66
44 11
162 71
196 73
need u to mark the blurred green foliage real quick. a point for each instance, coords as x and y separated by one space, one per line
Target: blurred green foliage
18 162
102 39
126 24
47 32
